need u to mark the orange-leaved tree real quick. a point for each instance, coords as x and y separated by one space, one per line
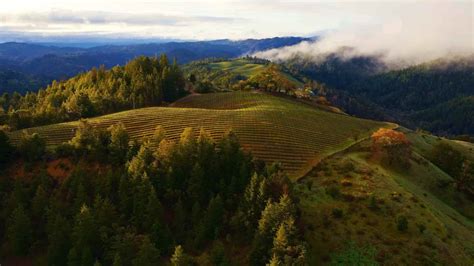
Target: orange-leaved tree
391 146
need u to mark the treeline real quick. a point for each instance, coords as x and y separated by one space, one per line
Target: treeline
436 96
131 203
141 82
458 166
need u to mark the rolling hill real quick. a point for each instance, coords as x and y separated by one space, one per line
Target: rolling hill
299 135
350 196
48 63
434 96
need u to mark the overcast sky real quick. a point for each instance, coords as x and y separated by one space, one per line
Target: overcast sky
215 19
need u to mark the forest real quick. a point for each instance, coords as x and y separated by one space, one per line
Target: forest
142 82
416 96
136 203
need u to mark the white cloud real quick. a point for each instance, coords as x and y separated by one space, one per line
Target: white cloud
406 32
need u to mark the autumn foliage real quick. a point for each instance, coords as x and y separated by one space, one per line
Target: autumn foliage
391 146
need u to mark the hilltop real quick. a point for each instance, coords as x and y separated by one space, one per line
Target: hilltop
299 135
31 66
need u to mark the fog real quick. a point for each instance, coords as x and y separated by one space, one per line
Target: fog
399 33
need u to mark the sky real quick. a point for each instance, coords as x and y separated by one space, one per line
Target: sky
199 20
399 32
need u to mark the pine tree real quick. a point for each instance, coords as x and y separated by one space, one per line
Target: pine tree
85 236
154 209
158 135
6 148
117 260
19 231
195 186
148 254
180 258
84 140
141 163
39 203
214 214
179 221
275 261
119 140
58 239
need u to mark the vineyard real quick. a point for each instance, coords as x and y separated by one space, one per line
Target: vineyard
272 128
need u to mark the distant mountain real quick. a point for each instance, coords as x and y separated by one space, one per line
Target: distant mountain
41 62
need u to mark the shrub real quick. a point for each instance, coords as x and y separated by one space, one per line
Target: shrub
354 255
64 150
32 147
333 191
337 213
373 203
421 228
402 223
347 167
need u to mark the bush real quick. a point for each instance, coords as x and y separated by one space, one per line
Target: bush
337 213
354 255
373 203
32 147
402 223
333 191
421 228
64 150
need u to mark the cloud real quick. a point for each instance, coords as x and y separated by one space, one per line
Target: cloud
60 17
402 33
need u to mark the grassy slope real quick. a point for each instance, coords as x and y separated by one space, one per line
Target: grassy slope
247 69
448 239
273 128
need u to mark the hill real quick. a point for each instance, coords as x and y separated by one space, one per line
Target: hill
54 63
245 73
434 96
299 135
351 196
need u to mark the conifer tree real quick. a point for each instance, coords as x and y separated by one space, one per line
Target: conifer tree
119 140
19 231
180 258
148 254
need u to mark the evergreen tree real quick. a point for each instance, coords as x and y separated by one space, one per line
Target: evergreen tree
32 147
195 186
179 221
180 258
148 254
6 149
39 203
119 139
84 236
84 140
117 260
141 163
158 135
19 231
58 239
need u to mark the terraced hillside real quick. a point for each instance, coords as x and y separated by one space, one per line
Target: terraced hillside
272 128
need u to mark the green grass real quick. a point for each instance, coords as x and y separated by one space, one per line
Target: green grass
449 235
274 129
238 66
247 69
